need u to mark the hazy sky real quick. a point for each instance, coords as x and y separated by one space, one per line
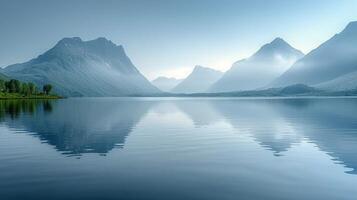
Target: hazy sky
169 37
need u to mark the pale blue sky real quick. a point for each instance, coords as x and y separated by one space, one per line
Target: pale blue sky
167 37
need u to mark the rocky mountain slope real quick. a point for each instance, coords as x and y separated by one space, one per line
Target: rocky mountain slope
84 68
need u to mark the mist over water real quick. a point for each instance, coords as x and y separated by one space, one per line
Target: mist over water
179 148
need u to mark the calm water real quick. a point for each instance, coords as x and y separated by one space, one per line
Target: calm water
168 148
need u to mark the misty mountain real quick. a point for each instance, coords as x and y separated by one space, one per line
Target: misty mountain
200 79
268 63
341 83
3 76
166 84
336 57
84 68
297 89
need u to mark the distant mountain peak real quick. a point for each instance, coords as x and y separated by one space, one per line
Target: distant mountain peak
69 40
352 24
278 45
268 63
78 41
78 47
164 78
199 68
84 68
199 80
333 58
279 41
351 28
166 83
102 41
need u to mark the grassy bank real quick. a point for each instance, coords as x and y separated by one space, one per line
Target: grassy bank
21 96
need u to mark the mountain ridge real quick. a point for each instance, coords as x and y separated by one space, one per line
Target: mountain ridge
255 72
84 68
335 57
199 80
166 84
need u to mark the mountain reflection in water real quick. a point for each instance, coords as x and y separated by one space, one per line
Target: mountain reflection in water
92 125
75 126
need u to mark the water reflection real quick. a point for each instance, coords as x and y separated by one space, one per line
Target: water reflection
14 108
279 124
331 124
260 119
76 126
200 112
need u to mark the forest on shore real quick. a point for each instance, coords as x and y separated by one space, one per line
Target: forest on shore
15 89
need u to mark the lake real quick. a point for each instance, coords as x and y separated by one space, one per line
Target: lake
179 148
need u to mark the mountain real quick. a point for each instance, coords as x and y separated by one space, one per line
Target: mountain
84 68
341 83
297 89
268 63
166 84
3 76
200 79
335 57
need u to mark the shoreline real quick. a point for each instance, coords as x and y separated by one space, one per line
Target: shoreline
29 97
185 96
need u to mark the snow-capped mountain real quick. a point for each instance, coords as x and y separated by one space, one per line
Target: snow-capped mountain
84 68
255 72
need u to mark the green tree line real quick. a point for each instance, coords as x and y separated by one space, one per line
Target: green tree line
26 89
